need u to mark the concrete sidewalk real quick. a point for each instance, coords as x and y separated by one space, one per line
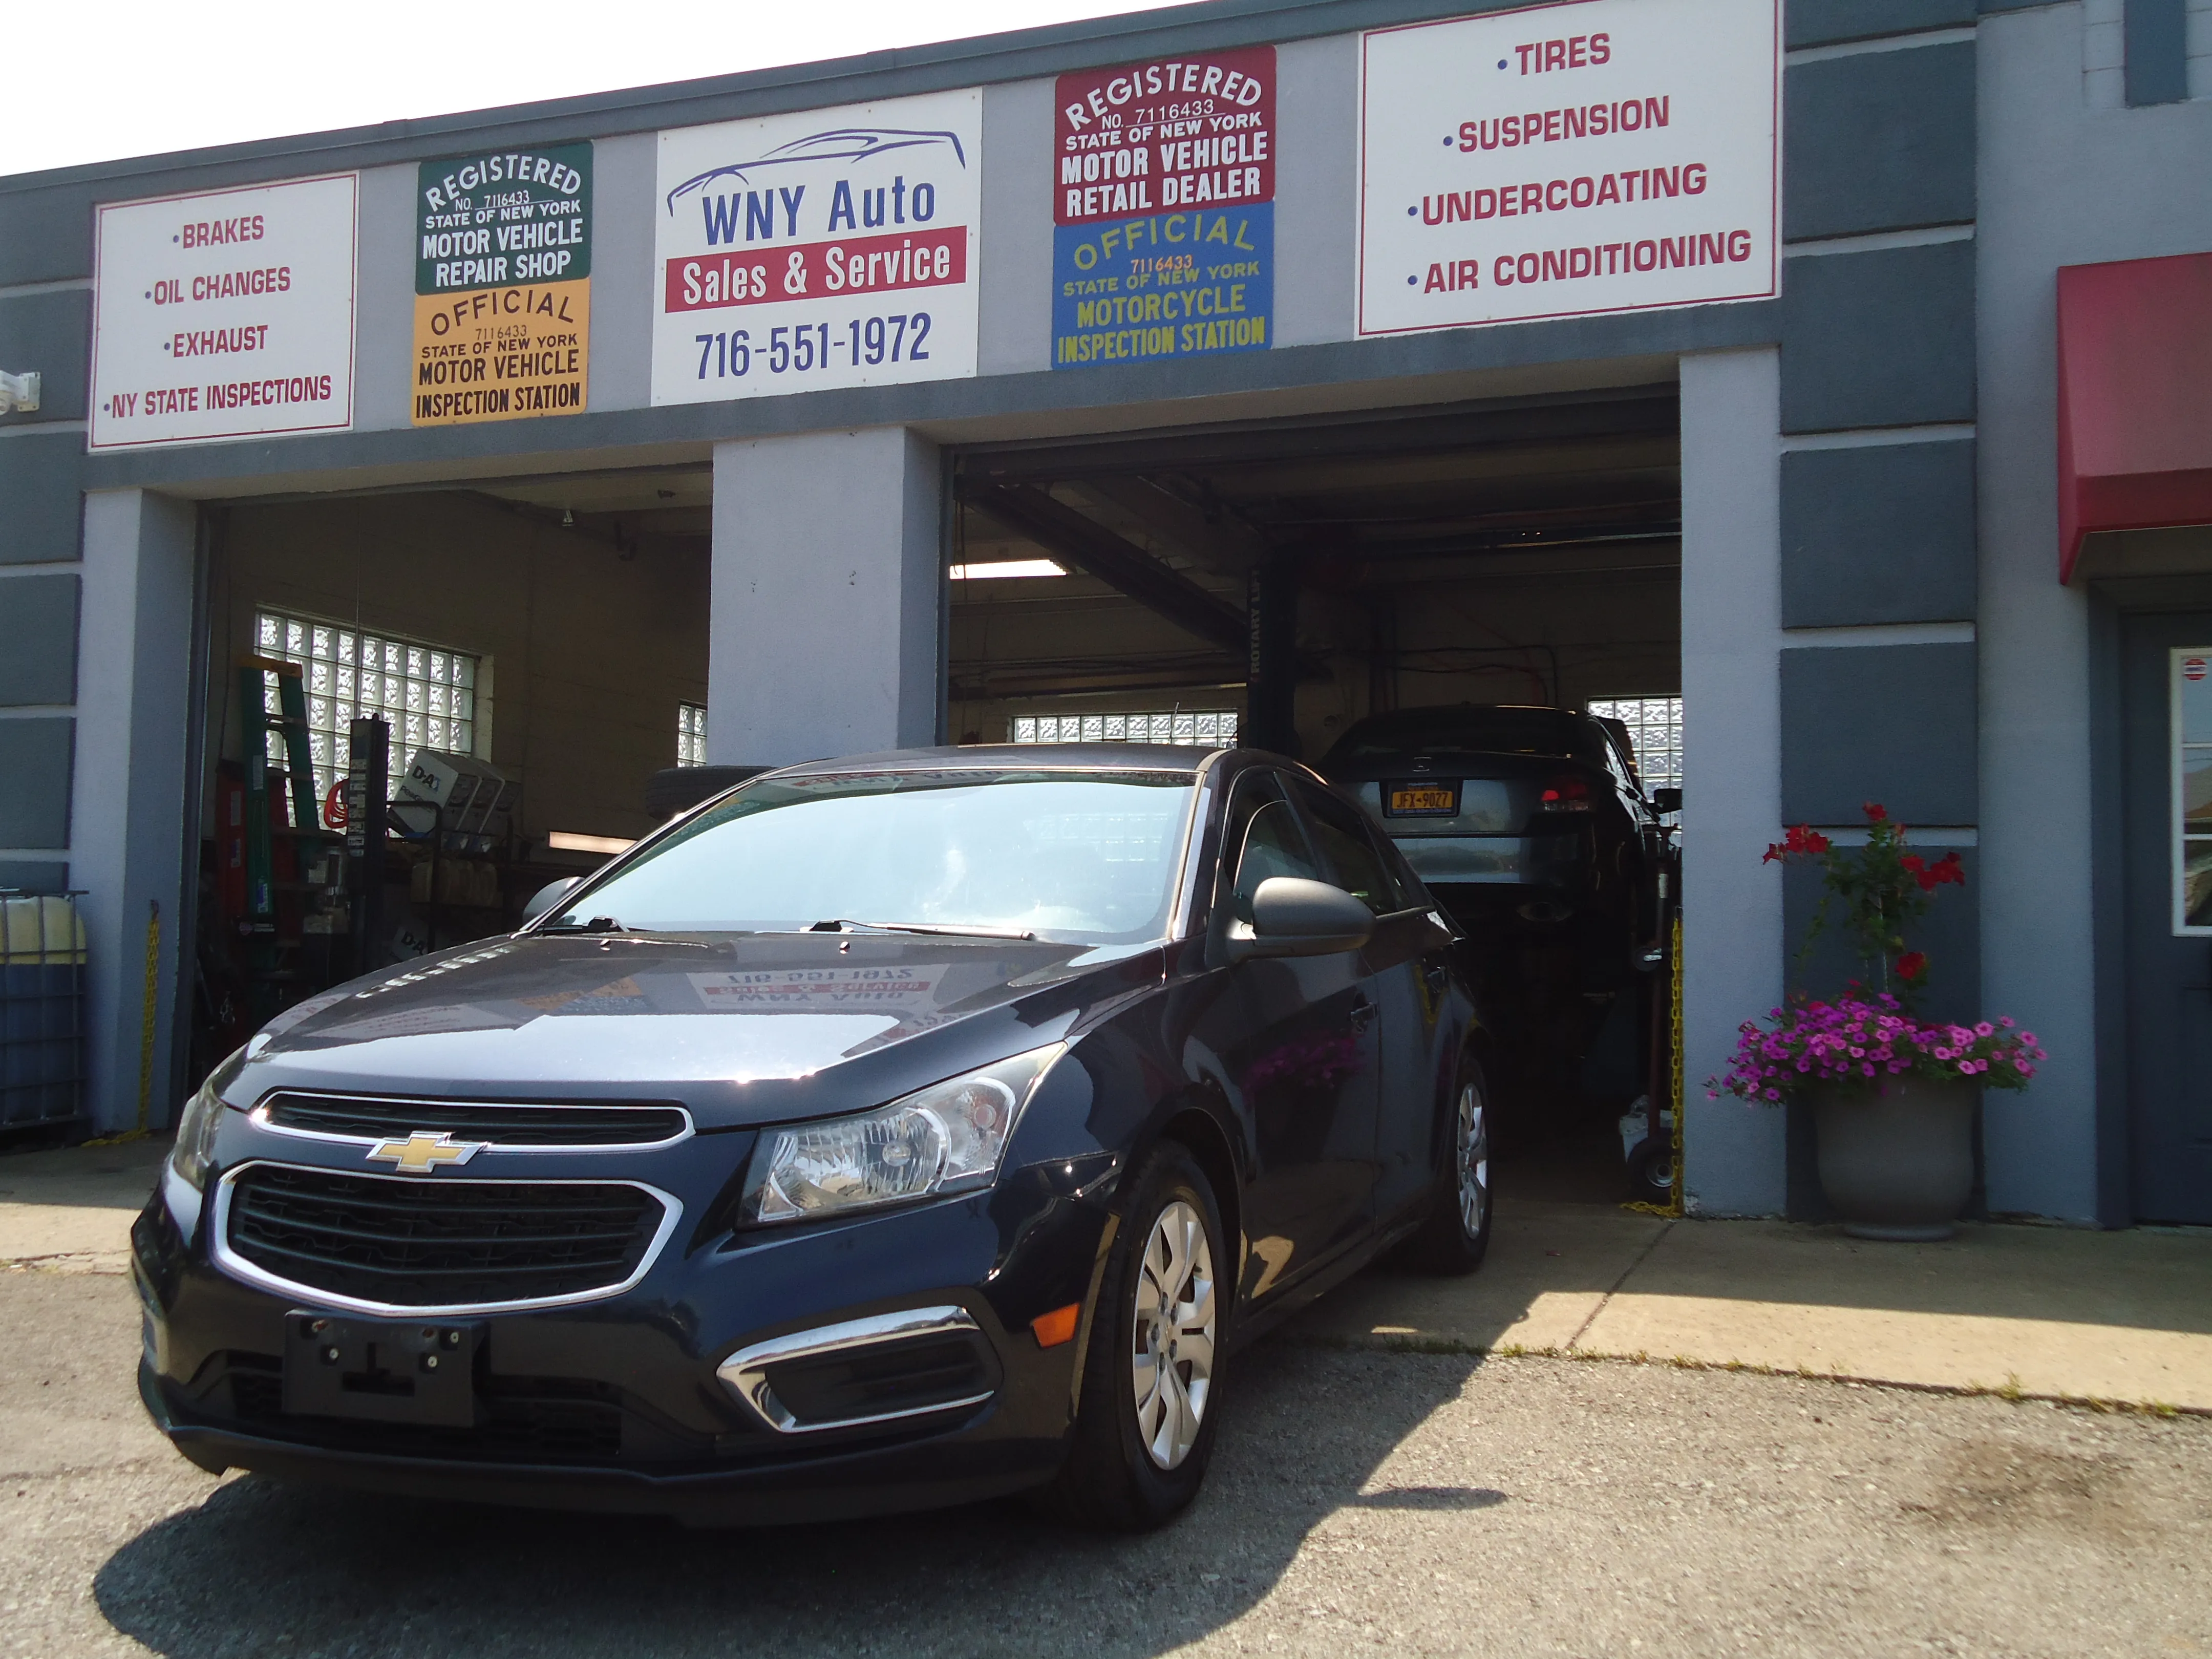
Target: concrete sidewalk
2050 1311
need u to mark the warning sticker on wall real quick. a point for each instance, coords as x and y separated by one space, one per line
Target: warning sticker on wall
503 285
1163 209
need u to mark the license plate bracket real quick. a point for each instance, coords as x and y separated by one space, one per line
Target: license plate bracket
387 1371
1422 800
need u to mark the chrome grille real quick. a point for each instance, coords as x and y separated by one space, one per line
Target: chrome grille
498 1122
404 1241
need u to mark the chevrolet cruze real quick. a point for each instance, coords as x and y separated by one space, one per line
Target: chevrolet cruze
883 1133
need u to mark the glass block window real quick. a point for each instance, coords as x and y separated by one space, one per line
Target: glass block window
2189 671
427 692
1655 727
1209 728
690 735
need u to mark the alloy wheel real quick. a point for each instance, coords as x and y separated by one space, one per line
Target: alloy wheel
1177 1320
1472 1162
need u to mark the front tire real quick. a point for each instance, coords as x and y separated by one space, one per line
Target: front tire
1152 1378
1456 1235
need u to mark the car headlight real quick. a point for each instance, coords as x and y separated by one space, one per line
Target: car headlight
947 1137
198 1125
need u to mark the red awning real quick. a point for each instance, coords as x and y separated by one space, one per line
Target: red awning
2134 398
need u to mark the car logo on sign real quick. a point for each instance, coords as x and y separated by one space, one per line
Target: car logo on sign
422 1152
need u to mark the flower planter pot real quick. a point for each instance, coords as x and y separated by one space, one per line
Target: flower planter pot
1898 1164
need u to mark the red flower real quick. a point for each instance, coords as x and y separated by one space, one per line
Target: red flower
1802 842
1875 811
1947 868
1912 967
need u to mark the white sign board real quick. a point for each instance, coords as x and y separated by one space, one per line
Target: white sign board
1589 156
226 314
832 247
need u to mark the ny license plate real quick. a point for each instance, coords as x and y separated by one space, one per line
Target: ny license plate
1421 800
390 1371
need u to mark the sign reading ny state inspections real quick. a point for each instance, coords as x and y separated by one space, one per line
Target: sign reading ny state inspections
1587 156
832 247
1163 209
228 314
503 285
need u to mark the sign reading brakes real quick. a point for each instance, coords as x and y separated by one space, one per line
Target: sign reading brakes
831 248
1163 209
503 285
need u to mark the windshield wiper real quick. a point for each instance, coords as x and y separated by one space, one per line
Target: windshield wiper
840 925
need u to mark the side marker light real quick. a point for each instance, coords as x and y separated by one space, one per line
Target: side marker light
1057 1326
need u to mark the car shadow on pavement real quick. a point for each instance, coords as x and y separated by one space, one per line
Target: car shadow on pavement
262 1567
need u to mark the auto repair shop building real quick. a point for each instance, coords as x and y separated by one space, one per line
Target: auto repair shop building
1839 368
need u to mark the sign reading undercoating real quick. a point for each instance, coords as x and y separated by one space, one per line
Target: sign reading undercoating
223 314
1587 156
1163 209
503 285
826 248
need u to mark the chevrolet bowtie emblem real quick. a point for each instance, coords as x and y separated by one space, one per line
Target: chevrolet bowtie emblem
422 1153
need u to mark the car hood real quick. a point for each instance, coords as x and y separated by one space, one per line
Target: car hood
744 1028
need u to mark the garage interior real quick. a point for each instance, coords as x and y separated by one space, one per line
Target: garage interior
1269 583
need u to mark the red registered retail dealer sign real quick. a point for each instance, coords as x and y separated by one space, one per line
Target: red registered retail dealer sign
2193 668
1558 160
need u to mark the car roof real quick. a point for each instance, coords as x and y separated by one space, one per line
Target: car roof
1016 756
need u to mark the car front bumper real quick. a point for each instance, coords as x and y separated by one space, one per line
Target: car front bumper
615 1403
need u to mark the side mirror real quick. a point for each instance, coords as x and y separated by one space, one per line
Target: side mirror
1667 798
1294 917
548 897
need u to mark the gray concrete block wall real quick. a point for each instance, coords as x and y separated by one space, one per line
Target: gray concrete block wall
35 753
1878 533
1831 22
1889 723
37 641
1883 337
1879 141
42 486
49 330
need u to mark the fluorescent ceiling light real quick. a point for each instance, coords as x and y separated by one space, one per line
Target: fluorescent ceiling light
564 841
970 573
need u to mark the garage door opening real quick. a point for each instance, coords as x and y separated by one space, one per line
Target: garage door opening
1306 588
537 651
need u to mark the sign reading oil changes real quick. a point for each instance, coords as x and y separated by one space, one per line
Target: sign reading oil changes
503 285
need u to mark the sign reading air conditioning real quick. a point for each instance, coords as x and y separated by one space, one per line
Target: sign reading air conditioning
1589 156
503 285
1163 209
831 248
226 314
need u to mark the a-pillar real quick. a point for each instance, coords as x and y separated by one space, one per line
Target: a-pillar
828 586
1733 1156
127 809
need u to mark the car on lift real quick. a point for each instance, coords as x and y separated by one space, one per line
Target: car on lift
1532 828
880 1134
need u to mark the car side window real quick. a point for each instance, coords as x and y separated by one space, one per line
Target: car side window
1270 844
1344 842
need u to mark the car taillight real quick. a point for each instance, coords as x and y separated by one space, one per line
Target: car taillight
1568 793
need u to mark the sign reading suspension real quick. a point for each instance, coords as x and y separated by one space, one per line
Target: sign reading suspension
833 248
1163 209
228 314
503 285
1586 156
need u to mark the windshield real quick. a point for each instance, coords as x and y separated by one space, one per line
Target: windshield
1501 731
1087 859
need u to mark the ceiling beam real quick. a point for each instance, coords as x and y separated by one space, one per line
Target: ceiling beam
1124 567
1219 540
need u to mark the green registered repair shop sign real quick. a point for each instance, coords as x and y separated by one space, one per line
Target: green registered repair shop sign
503 285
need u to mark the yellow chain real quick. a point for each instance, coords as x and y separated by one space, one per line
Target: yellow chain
1673 1207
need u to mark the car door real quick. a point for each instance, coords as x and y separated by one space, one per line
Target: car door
1297 1042
1404 975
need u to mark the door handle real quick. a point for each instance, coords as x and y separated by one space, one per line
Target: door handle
1362 1011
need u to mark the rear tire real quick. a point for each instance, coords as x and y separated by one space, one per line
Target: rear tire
1456 1235
1152 1377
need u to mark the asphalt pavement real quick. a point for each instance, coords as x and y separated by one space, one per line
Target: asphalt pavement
1415 1503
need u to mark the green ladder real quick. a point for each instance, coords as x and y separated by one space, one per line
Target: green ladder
256 721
